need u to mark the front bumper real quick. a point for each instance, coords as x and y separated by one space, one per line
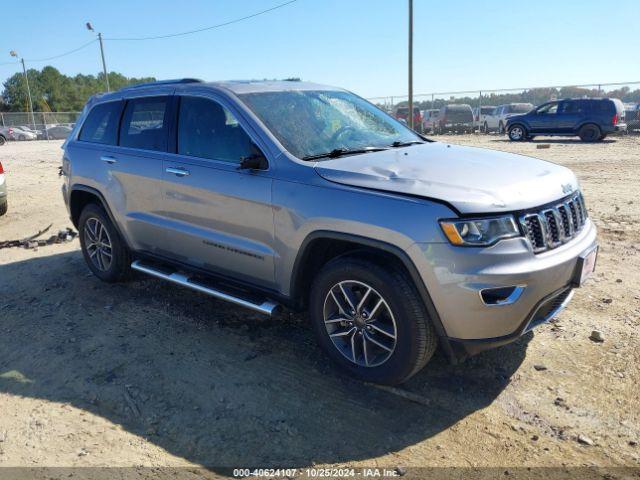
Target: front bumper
455 276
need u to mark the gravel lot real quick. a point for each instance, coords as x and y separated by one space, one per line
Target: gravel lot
148 374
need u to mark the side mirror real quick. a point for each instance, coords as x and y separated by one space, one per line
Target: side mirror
255 161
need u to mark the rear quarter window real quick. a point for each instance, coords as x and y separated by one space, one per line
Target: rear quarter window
101 125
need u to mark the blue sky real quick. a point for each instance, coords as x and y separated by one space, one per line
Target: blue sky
357 44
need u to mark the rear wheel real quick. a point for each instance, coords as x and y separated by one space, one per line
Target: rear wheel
590 133
3 208
102 247
2 140
485 128
371 321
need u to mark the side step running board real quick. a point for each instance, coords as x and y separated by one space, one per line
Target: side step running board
266 307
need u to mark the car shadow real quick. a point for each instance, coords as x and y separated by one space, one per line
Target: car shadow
212 383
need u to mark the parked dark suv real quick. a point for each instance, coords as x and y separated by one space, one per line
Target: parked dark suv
455 118
591 119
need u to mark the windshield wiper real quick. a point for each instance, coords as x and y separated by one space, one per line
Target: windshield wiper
341 152
398 143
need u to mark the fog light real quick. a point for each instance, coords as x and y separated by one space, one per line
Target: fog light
501 295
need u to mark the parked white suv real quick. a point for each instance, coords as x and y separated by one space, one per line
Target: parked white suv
480 114
497 120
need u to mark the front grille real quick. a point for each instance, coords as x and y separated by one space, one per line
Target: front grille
550 227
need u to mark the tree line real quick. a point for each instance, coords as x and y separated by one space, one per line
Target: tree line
535 96
52 91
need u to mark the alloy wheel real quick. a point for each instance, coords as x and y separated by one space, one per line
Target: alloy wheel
98 244
516 133
360 323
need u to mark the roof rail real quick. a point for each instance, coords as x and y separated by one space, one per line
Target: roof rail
163 82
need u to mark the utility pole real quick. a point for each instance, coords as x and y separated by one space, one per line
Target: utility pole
104 63
410 114
26 79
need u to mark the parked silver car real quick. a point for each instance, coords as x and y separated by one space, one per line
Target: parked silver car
3 192
291 193
5 135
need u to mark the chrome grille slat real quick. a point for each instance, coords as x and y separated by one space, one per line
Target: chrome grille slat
551 227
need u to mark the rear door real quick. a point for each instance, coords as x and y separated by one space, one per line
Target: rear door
571 115
136 169
218 217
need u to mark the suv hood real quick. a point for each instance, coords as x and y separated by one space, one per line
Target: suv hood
472 180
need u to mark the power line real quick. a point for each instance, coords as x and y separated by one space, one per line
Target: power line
62 54
157 37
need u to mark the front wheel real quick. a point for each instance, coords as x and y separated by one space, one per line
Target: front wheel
517 133
371 321
4 207
2 140
103 248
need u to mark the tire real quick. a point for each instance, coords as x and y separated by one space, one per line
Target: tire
4 207
517 133
485 128
22 138
401 312
590 133
500 128
118 267
2 140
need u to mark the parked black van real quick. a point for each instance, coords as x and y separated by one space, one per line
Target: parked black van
592 119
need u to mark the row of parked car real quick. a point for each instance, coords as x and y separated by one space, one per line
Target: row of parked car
44 132
591 119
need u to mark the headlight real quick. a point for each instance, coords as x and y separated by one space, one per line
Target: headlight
479 231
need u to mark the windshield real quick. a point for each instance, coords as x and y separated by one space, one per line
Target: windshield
520 108
309 123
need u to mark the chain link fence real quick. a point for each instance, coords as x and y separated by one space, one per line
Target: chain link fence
483 102
23 126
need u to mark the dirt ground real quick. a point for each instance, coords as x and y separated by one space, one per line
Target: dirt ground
149 374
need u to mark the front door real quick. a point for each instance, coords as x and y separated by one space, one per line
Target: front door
545 119
217 217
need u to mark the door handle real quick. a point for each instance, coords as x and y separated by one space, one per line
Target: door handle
179 172
108 159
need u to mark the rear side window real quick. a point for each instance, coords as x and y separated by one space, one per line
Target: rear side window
101 125
575 106
604 106
144 124
208 130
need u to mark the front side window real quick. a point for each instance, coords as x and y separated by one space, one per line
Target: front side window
315 122
548 109
208 130
144 124
101 125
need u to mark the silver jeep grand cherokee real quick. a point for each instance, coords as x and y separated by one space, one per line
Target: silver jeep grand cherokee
291 193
